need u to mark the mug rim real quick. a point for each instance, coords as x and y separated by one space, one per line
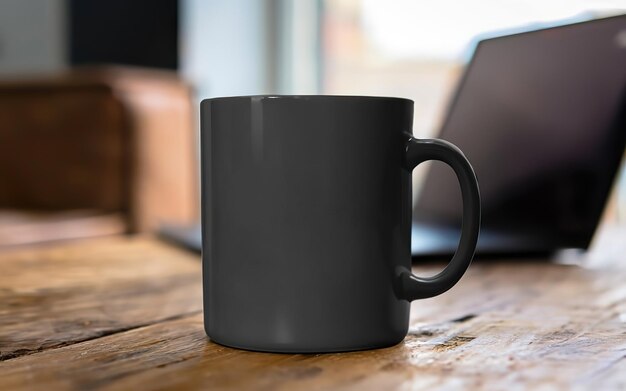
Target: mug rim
307 97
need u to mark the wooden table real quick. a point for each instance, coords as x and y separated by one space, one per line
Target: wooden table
125 313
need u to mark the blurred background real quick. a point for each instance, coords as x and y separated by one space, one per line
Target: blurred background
99 99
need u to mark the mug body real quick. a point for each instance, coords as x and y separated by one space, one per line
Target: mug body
306 215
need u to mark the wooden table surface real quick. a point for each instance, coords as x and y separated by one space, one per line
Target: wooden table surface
126 313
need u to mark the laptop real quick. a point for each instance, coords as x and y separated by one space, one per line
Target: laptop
541 117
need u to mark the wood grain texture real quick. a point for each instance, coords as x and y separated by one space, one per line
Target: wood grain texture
58 294
505 326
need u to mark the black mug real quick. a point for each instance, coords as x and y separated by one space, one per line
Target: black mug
306 218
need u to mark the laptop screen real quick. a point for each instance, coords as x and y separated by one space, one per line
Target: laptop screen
540 116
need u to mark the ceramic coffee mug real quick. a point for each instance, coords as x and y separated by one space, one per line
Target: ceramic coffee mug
306 215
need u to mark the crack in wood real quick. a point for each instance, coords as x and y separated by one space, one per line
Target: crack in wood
26 352
453 343
465 318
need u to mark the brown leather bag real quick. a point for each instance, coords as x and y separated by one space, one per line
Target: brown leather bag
108 140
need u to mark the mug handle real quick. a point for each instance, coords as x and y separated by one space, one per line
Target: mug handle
417 151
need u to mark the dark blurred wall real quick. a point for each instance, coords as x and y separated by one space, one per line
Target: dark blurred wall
137 32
